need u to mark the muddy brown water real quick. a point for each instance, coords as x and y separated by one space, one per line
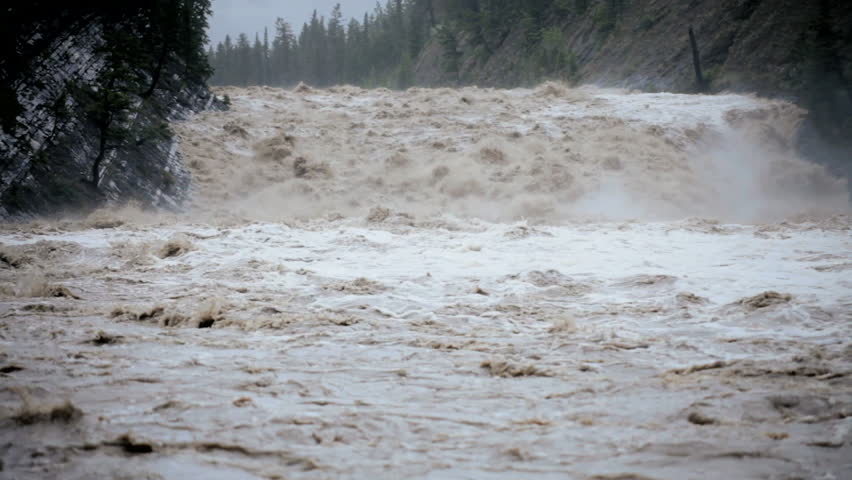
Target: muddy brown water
488 285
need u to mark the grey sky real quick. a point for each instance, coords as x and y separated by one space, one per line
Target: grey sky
231 17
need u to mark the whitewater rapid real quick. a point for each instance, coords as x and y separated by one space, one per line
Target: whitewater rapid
445 284
548 155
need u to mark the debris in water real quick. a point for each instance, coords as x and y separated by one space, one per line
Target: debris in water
131 446
698 418
303 88
687 297
210 313
518 454
342 320
562 325
764 300
647 281
359 286
480 291
509 369
576 223
235 130
378 214
175 246
103 338
38 411
700 368
36 285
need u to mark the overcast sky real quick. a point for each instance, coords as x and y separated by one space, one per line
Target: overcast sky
250 16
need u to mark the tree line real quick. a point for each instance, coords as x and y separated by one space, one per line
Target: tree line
381 48
378 50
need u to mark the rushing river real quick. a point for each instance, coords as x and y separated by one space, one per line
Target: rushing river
445 284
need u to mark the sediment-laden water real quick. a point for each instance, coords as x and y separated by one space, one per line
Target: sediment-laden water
469 283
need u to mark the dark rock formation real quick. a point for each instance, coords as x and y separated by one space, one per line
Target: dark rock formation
48 145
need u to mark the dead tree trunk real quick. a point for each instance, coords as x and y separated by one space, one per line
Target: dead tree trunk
96 165
696 61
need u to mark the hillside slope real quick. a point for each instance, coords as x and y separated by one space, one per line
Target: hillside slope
779 48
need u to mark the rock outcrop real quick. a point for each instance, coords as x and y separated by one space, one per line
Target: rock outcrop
47 149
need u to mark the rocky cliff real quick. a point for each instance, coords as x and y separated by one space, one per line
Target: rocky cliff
779 48
47 147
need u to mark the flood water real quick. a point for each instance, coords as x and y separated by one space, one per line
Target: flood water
445 284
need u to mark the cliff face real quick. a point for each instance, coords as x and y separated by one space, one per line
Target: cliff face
757 45
47 151
779 48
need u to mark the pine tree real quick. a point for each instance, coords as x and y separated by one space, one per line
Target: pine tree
282 53
257 63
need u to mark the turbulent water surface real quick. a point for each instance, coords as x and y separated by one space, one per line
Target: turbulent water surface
544 283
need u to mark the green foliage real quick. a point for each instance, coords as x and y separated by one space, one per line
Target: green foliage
378 51
154 132
138 41
405 73
448 39
604 17
381 49
169 179
551 57
563 7
532 33
137 45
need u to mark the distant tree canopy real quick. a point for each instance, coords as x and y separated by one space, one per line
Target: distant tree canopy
376 51
381 49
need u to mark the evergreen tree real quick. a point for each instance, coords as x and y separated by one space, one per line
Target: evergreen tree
242 60
378 51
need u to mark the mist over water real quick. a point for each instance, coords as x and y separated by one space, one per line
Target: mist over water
447 283
550 154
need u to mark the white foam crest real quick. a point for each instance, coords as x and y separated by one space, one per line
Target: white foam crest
549 154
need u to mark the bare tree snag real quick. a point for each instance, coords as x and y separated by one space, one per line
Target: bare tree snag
696 61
